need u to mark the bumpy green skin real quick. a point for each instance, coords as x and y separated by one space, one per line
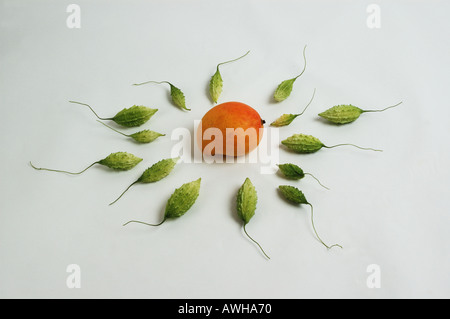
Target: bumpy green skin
134 116
284 120
178 97
182 199
215 86
146 136
293 194
284 90
342 114
291 171
121 161
302 143
246 201
158 170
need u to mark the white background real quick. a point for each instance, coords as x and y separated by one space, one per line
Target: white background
390 209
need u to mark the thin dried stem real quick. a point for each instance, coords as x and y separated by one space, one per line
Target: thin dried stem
256 243
61 171
101 118
315 231
137 221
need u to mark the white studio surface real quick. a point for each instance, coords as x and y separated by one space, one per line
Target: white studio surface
389 210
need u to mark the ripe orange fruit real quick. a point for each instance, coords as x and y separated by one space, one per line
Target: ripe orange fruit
231 128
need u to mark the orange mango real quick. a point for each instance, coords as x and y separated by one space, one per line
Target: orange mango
231 129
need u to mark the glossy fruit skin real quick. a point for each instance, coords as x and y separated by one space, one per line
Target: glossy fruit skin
243 119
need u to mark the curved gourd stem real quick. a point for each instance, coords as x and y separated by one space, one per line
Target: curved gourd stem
256 243
60 171
156 82
317 180
304 68
101 118
137 221
389 107
363 148
123 193
314 228
232 60
314 93
113 129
